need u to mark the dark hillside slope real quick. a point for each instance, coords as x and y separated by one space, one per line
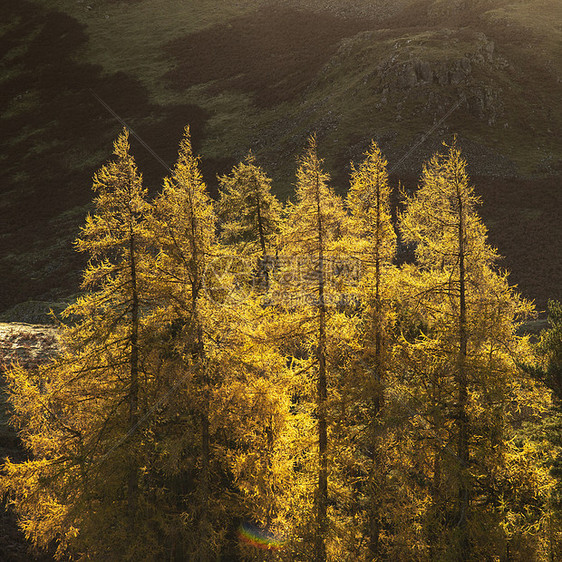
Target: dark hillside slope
262 75
272 54
55 135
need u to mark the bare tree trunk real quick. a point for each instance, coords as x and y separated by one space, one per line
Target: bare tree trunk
205 480
463 451
378 398
434 524
263 276
322 514
133 478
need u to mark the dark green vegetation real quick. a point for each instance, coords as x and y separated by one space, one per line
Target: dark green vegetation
262 74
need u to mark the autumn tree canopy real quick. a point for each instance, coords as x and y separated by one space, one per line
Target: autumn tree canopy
243 379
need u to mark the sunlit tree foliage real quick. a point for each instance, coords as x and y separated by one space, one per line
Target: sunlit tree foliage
341 408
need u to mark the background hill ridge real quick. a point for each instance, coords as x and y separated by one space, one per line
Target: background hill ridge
262 75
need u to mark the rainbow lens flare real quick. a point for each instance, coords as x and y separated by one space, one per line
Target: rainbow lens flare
259 538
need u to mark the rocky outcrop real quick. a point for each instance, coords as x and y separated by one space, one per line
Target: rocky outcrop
27 344
430 76
419 72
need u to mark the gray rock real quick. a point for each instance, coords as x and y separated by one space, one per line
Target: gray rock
407 77
423 71
456 77
465 65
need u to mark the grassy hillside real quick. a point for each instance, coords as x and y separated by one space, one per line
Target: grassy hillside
262 75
